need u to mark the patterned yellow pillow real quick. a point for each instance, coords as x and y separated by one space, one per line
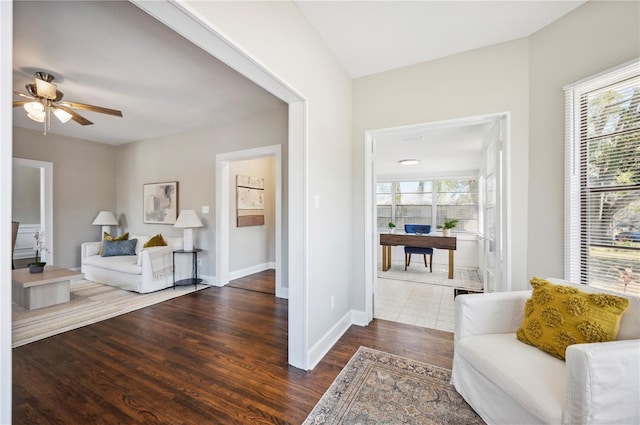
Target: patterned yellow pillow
157 240
557 316
108 237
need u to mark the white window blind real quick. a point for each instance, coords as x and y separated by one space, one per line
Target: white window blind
602 180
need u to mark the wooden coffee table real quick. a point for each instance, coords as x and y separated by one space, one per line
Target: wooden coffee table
36 290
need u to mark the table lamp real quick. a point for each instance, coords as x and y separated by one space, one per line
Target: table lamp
106 219
187 220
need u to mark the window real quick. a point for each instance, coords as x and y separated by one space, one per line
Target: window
602 183
412 202
458 199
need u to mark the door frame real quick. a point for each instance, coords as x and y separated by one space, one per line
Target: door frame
181 18
223 216
46 200
370 233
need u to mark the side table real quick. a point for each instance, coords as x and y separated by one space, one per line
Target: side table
194 280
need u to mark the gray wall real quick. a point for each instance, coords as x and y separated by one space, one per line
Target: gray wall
83 184
253 245
595 37
26 195
189 158
483 81
524 77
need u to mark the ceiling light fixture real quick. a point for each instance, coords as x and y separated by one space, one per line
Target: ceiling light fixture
40 111
409 161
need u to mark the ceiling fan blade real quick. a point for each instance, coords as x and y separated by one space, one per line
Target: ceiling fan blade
75 116
23 95
20 103
92 108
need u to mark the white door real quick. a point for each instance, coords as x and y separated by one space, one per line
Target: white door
492 210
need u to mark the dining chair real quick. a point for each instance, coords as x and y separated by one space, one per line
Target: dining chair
408 250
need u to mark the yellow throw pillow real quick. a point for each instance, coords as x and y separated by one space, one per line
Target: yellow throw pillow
108 237
157 240
557 316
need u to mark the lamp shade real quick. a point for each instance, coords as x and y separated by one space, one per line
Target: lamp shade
105 218
188 219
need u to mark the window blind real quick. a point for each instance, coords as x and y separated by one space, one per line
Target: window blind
602 180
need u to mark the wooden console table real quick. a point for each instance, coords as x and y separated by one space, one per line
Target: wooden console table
36 290
387 240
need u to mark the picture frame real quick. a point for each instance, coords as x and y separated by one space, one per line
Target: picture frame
160 203
249 201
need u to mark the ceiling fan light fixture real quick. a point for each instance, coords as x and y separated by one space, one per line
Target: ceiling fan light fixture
409 161
37 117
46 89
34 107
62 115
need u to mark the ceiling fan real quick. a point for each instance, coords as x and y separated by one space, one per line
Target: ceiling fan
44 97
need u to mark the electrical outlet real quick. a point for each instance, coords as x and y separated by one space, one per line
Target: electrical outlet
333 302
205 209
199 262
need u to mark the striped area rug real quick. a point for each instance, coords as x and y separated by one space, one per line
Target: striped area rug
90 302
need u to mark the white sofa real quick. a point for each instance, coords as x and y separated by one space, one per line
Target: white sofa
151 269
509 382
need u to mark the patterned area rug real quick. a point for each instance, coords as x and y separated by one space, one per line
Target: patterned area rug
382 388
463 277
90 302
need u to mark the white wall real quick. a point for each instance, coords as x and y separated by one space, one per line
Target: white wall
189 158
483 81
278 36
595 37
252 247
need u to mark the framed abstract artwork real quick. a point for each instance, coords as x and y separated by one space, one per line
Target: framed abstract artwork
160 203
249 201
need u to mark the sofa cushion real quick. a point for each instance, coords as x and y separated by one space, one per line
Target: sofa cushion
108 237
124 264
535 380
119 248
156 240
557 316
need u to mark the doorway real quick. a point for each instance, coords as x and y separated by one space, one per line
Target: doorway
226 246
495 133
38 175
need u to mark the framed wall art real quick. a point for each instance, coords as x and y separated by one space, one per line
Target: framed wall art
160 203
249 201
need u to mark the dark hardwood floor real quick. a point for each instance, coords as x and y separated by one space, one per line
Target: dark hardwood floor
264 281
215 356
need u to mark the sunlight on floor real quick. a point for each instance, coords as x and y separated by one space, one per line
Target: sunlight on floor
414 303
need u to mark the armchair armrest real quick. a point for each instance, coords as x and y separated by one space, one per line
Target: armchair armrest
89 248
603 383
493 313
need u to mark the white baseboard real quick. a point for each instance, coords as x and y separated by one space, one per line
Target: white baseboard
359 318
209 280
237 274
282 293
322 347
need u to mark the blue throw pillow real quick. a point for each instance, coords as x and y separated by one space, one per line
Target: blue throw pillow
116 248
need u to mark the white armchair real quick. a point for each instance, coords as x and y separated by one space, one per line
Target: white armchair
509 382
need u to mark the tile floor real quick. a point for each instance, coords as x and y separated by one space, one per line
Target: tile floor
420 304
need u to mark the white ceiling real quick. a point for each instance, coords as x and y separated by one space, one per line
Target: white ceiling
368 37
113 54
